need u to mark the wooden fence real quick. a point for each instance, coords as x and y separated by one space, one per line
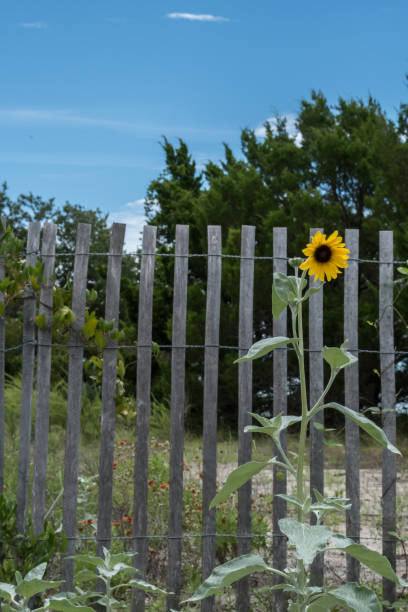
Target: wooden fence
40 349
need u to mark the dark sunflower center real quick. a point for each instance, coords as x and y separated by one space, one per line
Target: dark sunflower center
323 253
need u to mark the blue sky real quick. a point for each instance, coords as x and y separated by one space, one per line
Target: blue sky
88 88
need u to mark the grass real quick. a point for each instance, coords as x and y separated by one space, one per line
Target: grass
159 479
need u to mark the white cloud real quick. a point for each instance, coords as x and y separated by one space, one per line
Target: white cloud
196 17
70 118
34 25
135 203
135 221
291 127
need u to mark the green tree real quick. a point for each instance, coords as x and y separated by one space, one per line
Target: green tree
347 167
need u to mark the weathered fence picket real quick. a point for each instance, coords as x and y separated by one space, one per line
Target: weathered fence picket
73 426
351 396
42 405
178 359
143 383
280 404
387 368
245 339
110 358
316 388
3 221
212 334
210 401
27 381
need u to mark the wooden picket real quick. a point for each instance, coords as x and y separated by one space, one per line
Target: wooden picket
387 369
245 335
280 406
73 427
212 334
351 397
210 400
27 382
316 389
43 380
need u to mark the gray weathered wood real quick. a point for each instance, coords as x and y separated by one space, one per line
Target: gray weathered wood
212 333
73 426
316 389
387 363
174 575
351 396
43 380
110 358
245 340
280 374
27 381
3 221
143 383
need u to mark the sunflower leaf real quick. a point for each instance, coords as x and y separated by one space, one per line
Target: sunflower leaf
262 347
338 358
362 421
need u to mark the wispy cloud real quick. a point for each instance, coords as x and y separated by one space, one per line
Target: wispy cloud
34 25
91 160
70 119
260 130
135 220
197 17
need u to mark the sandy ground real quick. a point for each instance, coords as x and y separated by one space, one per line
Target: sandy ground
371 532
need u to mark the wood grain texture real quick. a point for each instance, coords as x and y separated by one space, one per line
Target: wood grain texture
143 383
387 368
27 381
212 334
280 390
43 380
351 397
73 425
3 226
245 341
316 382
178 358
110 357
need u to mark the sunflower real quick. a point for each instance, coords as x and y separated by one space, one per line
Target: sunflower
325 256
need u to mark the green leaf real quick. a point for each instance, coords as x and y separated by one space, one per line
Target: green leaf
237 478
371 558
338 358
278 305
282 287
356 598
27 588
144 586
369 427
89 328
100 340
272 427
228 573
262 347
290 499
36 572
7 590
308 539
65 605
41 321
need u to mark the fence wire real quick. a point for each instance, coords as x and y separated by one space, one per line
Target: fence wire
139 254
